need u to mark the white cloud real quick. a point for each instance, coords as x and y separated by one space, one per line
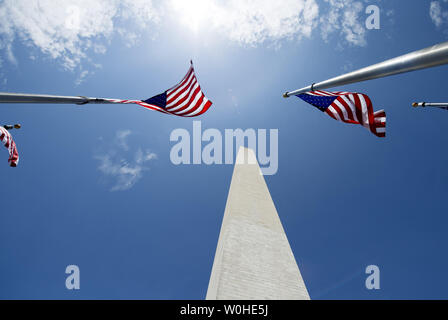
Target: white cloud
99 48
66 29
71 31
118 165
344 18
81 77
140 12
438 15
251 21
126 175
142 157
122 136
257 21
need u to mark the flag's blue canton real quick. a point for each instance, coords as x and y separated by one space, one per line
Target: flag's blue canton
158 100
320 102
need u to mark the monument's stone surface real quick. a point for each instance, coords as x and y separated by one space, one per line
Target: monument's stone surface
253 258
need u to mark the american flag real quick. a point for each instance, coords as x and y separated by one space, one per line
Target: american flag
348 107
6 138
185 99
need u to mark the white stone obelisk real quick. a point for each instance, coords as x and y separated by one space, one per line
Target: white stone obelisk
253 259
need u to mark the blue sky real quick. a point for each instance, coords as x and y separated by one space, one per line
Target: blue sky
95 186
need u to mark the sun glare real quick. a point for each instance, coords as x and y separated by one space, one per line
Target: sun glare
192 13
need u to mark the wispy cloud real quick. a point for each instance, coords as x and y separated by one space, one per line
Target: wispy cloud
122 139
67 29
344 19
81 77
73 32
120 165
142 157
253 21
439 15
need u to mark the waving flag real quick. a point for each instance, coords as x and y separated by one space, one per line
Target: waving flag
185 99
348 107
6 138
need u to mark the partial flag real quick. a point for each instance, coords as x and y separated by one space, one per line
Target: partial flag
348 107
185 99
9 143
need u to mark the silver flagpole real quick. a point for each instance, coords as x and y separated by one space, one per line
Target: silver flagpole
429 57
44 98
431 104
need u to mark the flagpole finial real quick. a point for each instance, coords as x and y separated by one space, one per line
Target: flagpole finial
191 61
286 95
415 104
17 126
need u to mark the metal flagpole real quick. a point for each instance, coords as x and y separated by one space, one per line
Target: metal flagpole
429 57
44 98
10 126
431 104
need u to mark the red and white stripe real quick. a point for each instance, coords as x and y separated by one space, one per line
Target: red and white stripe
185 99
9 143
355 108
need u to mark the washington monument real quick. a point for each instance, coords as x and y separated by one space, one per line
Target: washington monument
253 259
